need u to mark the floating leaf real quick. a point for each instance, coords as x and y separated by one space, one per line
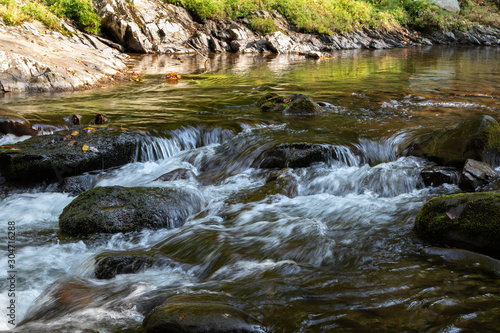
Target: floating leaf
85 148
74 133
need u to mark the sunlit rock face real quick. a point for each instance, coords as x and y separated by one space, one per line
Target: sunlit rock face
449 5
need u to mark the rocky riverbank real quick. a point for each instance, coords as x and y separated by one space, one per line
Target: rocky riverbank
34 60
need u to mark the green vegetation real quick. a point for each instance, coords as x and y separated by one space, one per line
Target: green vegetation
49 11
327 16
314 16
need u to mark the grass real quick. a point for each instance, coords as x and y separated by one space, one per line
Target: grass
329 16
312 16
49 11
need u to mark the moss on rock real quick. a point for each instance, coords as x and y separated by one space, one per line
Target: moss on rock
477 139
466 220
119 209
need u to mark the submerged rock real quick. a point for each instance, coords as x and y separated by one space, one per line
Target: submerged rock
56 156
476 174
197 317
438 176
107 265
298 104
477 139
470 221
13 123
119 209
177 174
296 155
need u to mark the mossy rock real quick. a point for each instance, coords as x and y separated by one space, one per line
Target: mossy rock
297 104
477 139
197 317
56 156
119 209
466 220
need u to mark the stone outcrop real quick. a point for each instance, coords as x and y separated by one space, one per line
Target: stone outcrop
123 209
57 156
469 220
476 174
34 60
298 104
296 155
449 5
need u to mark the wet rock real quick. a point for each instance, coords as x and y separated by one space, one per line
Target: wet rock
197 317
469 220
298 104
60 155
176 175
296 155
78 184
477 139
438 176
465 258
118 209
107 265
476 174
12 123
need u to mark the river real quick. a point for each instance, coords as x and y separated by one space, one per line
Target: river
333 252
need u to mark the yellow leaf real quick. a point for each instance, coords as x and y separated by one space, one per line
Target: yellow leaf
85 148
74 133
90 130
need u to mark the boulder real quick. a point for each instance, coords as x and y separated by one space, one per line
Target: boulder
438 176
468 220
297 104
477 139
476 174
119 209
62 154
13 123
177 174
296 155
197 317
278 42
78 184
449 5
108 265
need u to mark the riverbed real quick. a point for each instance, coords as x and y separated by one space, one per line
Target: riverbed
334 252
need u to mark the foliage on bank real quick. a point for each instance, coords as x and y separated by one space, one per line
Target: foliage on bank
48 12
314 16
327 16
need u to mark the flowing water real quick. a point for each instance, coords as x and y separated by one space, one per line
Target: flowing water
334 251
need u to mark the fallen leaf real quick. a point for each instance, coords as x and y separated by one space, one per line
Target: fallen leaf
72 142
15 149
5 147
181 318
67 137
85 148
93 149
90 130
288 100
63 133
451 216
74 133
123 128
143 132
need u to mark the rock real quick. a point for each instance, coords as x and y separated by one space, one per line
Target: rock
296 155
469 220
301 105
465 258
298 104
176 175
476 174
78 184
278 42
12 123
477 139
53 62
56 156
107 265
313 55
119 209
449 5
197 317
438 176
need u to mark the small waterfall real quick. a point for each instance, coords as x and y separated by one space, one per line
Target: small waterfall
385 150
184 138
344 155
